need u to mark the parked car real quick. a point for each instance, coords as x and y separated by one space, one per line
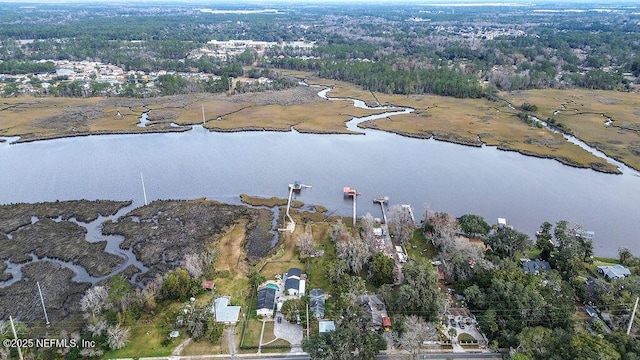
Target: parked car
461 324
279 319
453 322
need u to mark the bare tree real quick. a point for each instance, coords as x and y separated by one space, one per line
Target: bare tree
339 232
91 352
117 336
354 252
193 265
461 259
305 243
401 225
200 264
440 228
367 233
94 301
416 331
96 327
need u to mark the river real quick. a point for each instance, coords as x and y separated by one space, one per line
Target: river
424 173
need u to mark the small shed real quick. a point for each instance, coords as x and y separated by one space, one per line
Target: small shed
386 323
326 326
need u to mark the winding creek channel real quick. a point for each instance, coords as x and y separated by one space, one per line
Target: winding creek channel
424 173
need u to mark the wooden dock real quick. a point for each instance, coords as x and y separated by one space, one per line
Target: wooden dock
352 193
291 224
382 201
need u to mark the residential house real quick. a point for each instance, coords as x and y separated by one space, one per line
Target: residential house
316 303
461 314
294 282
225 313
266 301
614 272
535 266
375 307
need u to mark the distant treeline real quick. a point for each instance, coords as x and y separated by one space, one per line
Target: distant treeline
14 67
381 77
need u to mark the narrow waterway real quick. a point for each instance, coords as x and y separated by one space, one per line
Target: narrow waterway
424 173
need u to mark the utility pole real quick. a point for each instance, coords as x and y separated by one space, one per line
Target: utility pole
42 301
144 191
307 320
15 336
633 314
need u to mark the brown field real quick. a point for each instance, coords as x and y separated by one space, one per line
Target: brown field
231 255
465 121
585 113
479 121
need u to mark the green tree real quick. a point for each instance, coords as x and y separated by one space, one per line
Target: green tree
344 343
178 285
473 225
625 256
419 293
544 241
588 347
382 269
536 342
293 309
508 242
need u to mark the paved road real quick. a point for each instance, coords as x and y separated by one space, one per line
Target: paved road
294 356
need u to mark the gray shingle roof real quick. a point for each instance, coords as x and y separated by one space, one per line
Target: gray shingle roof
316 303
266 298
292 283
294 272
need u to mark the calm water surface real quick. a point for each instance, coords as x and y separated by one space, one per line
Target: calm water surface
424 173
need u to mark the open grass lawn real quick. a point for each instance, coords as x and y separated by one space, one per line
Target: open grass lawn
278 346
316 267
464 337
204 346
419 247
268 332
252 333
145 339
580 318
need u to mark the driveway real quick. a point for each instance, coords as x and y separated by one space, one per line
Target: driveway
290 332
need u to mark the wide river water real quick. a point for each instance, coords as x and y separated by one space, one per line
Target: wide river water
424 173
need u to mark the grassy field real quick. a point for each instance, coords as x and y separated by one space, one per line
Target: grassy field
252 333
465 121
586 113
479 121
147 334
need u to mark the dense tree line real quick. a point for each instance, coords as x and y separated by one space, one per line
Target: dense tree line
381 77
26 67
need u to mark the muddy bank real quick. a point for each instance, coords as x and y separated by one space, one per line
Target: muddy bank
163 232
156 129
61 294
14 216
61 240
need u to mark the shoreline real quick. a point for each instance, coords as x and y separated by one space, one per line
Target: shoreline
428 136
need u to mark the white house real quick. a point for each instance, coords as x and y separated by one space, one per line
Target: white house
225 313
